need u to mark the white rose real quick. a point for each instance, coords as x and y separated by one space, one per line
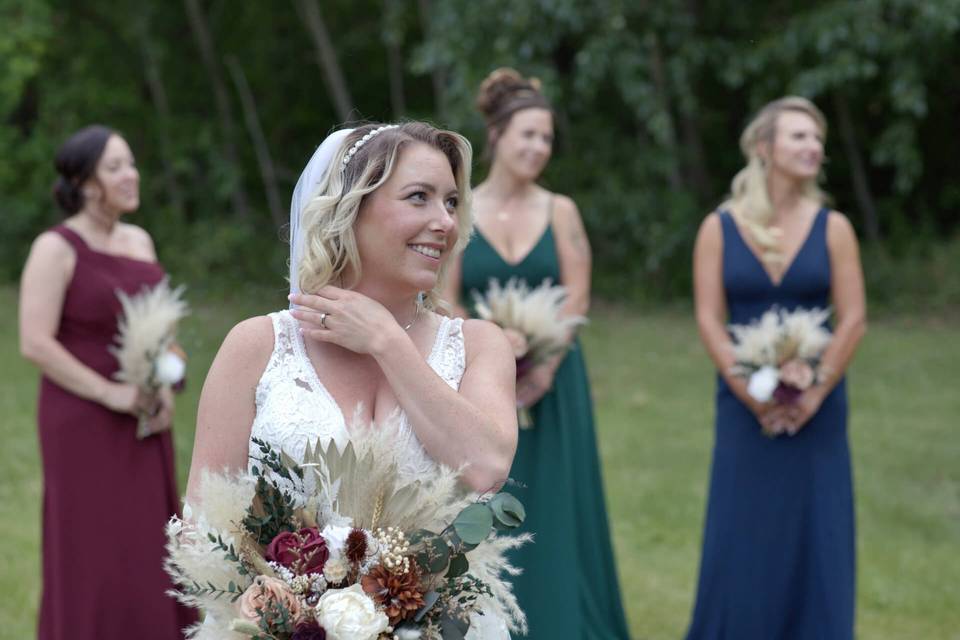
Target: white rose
170 368
762 383
336 538
349 614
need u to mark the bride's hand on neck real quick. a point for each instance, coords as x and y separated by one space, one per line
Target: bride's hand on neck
351 320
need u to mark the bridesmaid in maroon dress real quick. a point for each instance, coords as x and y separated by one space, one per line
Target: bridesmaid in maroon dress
106 494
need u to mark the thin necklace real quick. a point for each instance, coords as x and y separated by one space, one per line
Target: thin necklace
416 314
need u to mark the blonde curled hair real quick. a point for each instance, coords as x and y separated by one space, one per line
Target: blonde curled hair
749 201
328 218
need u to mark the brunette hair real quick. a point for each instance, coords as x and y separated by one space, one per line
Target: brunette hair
75 162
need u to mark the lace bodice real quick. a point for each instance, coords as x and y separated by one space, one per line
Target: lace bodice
293 406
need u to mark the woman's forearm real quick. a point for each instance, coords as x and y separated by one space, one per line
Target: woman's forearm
839 353
65 369
720 348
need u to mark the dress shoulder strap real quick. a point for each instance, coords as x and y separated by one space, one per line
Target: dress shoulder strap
72 237
283 338
823 215
449 357
728 226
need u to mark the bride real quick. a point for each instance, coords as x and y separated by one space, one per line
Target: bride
376 217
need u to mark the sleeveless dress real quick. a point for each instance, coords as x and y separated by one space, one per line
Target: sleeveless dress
778 544
106 495
568 587
293 407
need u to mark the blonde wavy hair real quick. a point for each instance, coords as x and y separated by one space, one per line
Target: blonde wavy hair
330 244
749 200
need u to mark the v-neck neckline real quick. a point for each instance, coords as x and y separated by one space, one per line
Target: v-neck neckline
776 284
301 348
514 265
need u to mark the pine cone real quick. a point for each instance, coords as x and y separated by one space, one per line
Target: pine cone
398 593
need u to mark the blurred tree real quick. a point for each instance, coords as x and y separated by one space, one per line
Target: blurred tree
650 100
211 62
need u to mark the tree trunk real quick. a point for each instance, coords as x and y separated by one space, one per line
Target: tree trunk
309 11
264 159
437 74
858 173
204 40
690 132
393 38
699 175
663 95
161 105
150 67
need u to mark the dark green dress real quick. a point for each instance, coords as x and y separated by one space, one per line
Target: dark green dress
568 588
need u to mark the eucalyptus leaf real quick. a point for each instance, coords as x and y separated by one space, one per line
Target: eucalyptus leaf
459 565
456 542
429 599
507 510
433 553
473 524
418 535
453 628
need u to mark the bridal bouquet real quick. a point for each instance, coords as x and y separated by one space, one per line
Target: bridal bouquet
779 354
146 332
531 320
339 546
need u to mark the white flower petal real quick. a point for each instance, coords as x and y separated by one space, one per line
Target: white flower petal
762 383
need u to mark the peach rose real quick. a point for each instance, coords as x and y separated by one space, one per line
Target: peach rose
797 374
262 593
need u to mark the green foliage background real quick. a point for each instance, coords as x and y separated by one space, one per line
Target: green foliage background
650 100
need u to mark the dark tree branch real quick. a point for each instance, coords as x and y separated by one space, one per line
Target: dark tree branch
204 40
858 172
262 150
309 11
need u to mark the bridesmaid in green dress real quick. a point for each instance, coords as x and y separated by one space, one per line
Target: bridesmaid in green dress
568 588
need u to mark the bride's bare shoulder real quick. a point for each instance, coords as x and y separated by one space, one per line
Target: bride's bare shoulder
484 337
249 342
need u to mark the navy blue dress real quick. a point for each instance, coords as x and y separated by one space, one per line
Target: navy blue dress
778 557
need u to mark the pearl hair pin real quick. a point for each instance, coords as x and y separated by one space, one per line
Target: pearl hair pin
362 141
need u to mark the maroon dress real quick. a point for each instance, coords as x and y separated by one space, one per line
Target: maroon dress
106 495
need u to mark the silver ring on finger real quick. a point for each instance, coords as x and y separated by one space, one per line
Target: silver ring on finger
323 320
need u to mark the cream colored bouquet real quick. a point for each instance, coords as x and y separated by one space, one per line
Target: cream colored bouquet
531 320
145 341
341 545
779 354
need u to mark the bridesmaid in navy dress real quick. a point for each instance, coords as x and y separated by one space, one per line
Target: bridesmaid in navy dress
778 545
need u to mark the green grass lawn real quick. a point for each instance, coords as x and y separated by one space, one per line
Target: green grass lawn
653 388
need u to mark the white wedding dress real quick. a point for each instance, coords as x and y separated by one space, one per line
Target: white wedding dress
293 407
